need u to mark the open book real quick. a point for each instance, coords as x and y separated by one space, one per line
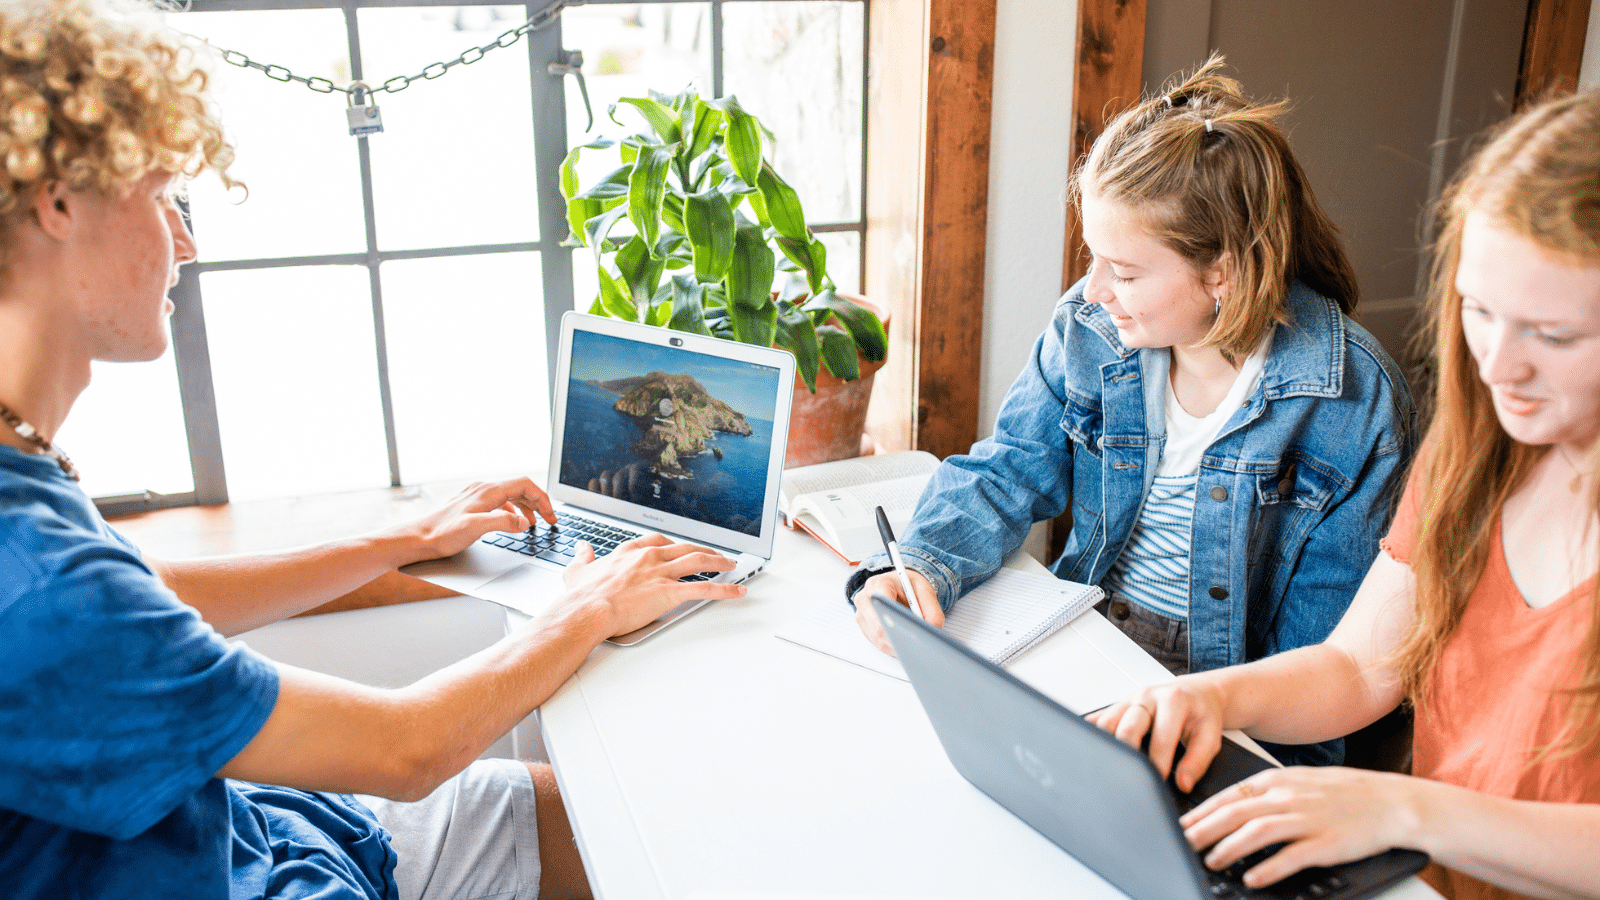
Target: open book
834 501
998 619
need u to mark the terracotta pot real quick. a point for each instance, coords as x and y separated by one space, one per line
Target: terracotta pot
828 425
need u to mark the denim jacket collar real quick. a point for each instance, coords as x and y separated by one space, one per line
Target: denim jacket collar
1306 358
1306 361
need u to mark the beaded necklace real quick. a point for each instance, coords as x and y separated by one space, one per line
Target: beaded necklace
32 436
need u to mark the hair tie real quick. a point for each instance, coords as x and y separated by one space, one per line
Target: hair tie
1168 98
1208 126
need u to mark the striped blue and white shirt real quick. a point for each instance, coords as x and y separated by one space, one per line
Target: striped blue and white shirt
1153 568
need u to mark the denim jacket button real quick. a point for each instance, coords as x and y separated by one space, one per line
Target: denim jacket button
1219 493
1218 593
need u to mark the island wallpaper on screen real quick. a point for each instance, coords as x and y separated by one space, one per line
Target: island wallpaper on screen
670 429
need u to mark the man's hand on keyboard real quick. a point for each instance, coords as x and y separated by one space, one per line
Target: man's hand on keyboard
480 508
639 580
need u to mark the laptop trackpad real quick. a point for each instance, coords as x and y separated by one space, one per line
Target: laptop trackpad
529 588
533 589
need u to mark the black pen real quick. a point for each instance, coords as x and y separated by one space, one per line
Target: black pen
893 548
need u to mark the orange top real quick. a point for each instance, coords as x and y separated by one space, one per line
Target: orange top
1496 696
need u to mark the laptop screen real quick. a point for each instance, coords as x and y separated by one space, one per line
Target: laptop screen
685 433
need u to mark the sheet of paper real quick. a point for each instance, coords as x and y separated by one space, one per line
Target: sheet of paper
1015 606
990 617
830 628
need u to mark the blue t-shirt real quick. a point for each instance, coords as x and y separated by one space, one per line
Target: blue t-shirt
118 704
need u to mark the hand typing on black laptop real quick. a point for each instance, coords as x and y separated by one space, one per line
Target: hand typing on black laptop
1272 824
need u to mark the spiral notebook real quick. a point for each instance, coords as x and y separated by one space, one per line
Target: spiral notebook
999 620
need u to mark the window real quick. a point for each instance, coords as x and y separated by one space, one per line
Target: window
381 310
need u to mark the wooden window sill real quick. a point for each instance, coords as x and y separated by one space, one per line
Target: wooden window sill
270 525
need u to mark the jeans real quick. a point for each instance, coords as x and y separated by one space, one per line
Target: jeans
1164 638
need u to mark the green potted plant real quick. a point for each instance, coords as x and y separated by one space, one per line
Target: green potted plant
693 230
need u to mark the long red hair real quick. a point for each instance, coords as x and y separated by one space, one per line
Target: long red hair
1538 177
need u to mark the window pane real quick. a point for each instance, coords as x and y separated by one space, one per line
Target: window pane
585 279
295 152
467 366
454 164
844 259
797 66
126 432
295 368
628 51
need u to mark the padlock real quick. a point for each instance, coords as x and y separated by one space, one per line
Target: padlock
363 116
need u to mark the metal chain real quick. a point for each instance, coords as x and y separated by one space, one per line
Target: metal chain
400 82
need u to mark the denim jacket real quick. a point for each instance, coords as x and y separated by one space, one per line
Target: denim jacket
1290 502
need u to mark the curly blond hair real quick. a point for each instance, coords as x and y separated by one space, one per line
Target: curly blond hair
97 94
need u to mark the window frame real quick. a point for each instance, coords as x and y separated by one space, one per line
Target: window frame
542 47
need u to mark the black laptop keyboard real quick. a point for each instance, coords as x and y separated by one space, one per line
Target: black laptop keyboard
1311 884
1226 884
1234 763
555 543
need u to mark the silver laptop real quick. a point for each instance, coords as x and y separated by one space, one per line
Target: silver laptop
654 431
1087 792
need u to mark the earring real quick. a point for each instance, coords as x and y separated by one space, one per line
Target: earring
1218 310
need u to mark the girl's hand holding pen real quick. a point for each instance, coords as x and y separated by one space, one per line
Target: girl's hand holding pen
888 584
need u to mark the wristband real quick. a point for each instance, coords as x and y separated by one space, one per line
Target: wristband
852 585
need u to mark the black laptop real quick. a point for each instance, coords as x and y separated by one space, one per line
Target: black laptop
1090 794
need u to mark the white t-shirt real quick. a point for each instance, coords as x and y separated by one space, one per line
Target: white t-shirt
1188 436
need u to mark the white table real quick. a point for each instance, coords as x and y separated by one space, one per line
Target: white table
715 761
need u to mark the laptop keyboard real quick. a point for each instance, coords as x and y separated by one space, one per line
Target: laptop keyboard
555 543
1227 884
1309 884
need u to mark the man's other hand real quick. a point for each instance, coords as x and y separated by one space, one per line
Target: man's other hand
638 581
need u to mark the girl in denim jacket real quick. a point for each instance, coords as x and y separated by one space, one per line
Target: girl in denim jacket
1228 441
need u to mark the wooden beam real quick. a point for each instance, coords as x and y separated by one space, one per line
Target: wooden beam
929 96
267 526
1552 48
1107 80
955 228
1110 56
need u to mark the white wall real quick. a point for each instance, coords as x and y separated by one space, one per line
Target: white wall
1029 154
1030 141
